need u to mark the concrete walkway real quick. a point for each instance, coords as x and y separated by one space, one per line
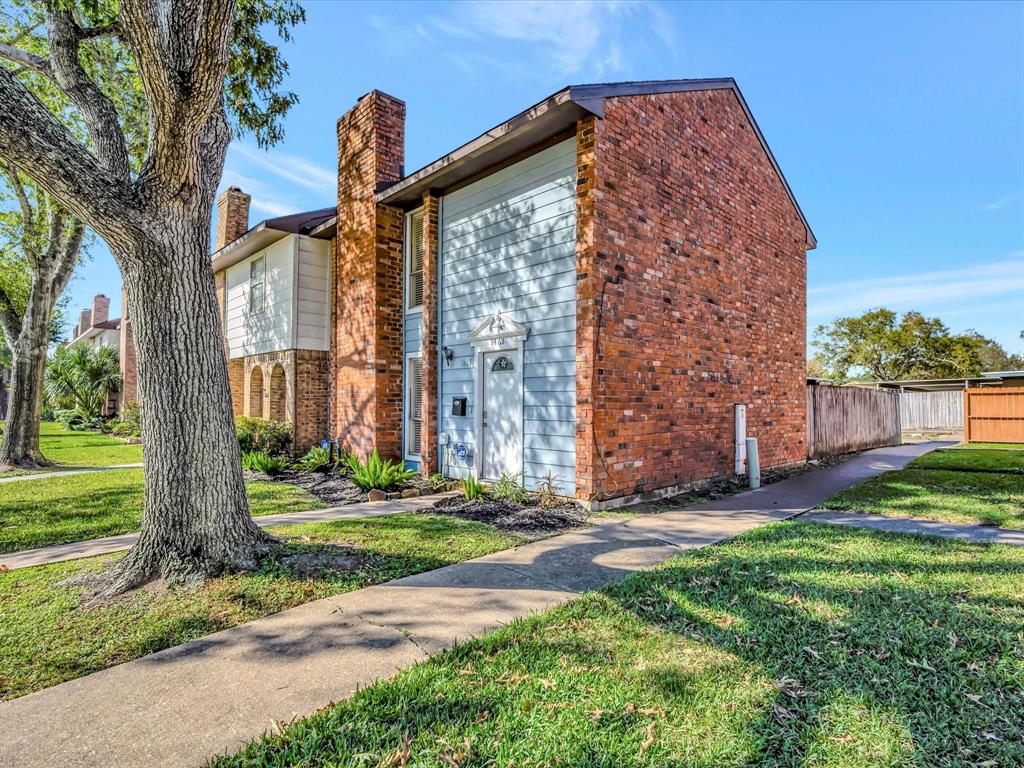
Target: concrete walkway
47 474
180 706
108 544
975 534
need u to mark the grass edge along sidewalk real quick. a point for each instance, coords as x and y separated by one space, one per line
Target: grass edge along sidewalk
795 643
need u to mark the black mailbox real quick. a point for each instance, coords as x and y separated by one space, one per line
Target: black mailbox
458 406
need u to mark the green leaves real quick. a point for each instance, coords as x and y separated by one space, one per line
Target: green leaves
80 378
377 473
890 348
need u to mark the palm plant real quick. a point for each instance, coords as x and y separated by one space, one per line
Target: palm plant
80 378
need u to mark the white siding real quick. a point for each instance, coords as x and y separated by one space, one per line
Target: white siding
508 243
314 280
291 319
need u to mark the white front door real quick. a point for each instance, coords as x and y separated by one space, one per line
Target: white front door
501 419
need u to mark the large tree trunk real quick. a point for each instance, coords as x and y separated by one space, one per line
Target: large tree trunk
20 447
196 522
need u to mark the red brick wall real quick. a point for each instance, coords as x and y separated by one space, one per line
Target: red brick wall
312 373
366 341
692 273
428 439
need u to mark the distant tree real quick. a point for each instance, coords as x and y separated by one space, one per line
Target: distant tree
995 358
40 243
888 348
80 378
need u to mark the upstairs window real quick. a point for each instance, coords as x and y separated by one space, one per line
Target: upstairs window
257 284
414 263
413 405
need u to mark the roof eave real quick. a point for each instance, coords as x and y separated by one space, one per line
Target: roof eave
541 121
256 239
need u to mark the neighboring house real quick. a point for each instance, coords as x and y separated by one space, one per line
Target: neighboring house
585 290
94 329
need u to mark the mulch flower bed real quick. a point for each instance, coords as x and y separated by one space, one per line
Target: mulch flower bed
335 489
528 518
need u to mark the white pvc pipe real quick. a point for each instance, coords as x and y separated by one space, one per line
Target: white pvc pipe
753 463
739 446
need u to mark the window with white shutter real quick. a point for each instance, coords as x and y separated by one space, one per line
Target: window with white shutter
414 263
413 405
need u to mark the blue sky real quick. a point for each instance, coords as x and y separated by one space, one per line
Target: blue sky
900 126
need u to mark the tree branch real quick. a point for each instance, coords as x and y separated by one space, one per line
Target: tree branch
97 110
9 318
182 56
27 215
67 259
35 141
101 30
25 59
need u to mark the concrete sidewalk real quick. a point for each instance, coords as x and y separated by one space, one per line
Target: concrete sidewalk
108 544
46 473
974 534
180 706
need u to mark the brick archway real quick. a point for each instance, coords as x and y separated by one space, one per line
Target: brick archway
279 410
254 403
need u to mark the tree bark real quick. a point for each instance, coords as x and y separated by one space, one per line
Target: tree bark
28 335
20 447
196 522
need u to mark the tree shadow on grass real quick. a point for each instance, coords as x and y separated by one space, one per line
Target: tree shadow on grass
891 642
796 645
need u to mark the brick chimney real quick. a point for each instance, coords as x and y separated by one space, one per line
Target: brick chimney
100 309
84 321
366 351
232 216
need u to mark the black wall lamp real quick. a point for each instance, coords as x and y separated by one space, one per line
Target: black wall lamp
448 355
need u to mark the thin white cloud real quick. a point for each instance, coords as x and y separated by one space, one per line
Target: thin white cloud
292 168
266 198
559 38
1004 201
949 287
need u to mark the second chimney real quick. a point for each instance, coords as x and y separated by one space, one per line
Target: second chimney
232 216
100 309
85 321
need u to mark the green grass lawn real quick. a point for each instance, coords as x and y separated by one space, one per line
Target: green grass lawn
47 637
69 448
57 510
794 645
979 460
980 485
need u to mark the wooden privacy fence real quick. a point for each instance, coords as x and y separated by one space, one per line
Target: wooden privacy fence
932 410
994 415
844 419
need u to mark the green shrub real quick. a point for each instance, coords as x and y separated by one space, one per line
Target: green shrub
509 488
263 462
318 459
547 491
129 424
378 474
273 437
472 488
68 417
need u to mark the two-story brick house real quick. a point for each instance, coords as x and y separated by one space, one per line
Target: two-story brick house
587 289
